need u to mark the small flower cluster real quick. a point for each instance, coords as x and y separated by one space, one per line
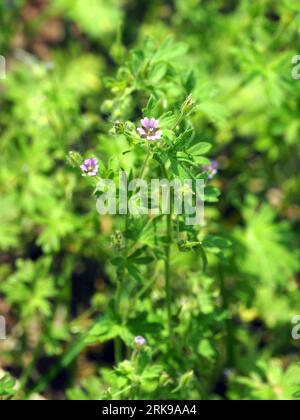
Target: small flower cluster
149 131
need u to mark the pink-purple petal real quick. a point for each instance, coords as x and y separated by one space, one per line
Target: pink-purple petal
153 123
145 122
158 134
141 131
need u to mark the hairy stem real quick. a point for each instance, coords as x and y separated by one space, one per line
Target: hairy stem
142 172
167 260
117 340
167 273
228 323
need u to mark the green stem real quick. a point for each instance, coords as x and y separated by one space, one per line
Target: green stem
167 261
118 350
178 121
228 322
117 340
28 370
68 357
167 273
142 172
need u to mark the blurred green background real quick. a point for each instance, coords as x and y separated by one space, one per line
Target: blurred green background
71 74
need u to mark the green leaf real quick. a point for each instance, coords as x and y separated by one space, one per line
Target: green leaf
190 82
152 107
144 260
134 272
119 261
103 330
7 385
271 253
217 242
201 160
140 323
157 73
97 20
211 194
206 349
200 148
138 252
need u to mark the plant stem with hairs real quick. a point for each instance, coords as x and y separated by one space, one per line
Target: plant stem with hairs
142 172
117 341
167 273
167 258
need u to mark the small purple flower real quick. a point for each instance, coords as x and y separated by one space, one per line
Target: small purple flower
140 341
150 129
90 167
212 169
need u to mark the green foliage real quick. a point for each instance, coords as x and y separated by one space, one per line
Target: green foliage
214 302
7 386
268 382
98 20
30 283
267 253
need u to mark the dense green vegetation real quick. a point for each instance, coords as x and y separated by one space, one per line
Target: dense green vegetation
215 303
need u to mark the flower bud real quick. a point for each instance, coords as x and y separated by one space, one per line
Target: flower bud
140 341
107 106
188 105
74 159
119 127
117 240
